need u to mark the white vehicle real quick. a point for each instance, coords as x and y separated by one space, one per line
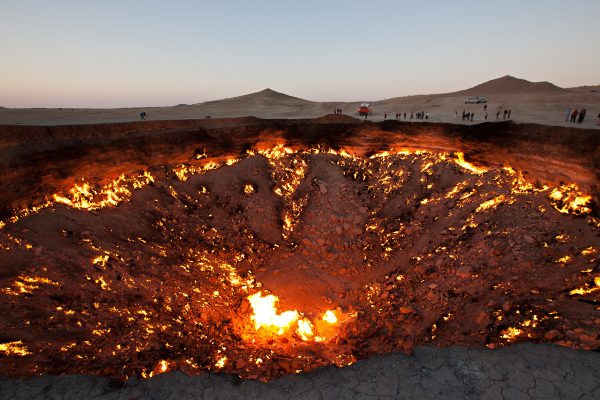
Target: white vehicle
476 100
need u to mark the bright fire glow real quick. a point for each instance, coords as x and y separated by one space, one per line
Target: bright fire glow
587 290
511 333
85 196
265 313
330 317
221 362
568 199
14 349
460 160
305 329
27 284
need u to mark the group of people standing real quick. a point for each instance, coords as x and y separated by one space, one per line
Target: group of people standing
466 116
413 115
576 116
337 111
505 114
470 116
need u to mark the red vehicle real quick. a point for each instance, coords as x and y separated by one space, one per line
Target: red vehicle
364 109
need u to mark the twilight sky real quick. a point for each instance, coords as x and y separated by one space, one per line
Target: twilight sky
109 53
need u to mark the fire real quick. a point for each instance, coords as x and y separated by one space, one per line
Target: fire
492 203
265 313
221 362
184 171
276 152
568 200
84 196
248 188
305 329
330 317
14 349
588 251
511 333
27 285
460 160
265 316
163 366
587 290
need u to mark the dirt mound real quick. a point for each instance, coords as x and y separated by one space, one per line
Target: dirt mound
511 85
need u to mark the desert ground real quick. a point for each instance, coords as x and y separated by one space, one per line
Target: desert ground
539 102
315 257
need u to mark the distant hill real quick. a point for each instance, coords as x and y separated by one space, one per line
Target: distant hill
266 97
511 85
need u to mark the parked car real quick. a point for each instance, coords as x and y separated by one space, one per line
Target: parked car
476 100
364 109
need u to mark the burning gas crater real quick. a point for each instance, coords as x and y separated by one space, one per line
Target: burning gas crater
283 260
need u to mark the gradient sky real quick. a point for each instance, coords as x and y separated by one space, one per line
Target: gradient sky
105 53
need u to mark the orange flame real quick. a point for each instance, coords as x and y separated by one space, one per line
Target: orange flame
265 313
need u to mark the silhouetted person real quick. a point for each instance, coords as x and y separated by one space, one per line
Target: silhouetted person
581 116
143 115
486 115
508 115
384 116
485 107
427 115
498 115
574 114
472 116
404 115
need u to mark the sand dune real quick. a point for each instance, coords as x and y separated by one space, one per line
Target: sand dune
511 85
537 102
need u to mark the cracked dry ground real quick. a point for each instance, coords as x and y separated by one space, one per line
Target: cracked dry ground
522 371
405 249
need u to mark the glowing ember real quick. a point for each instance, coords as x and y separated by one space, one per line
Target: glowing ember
490 204
248 188
163 366
588 251
221 362
587 290
511 333
27 285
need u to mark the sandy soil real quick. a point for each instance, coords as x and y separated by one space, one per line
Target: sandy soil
530 102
